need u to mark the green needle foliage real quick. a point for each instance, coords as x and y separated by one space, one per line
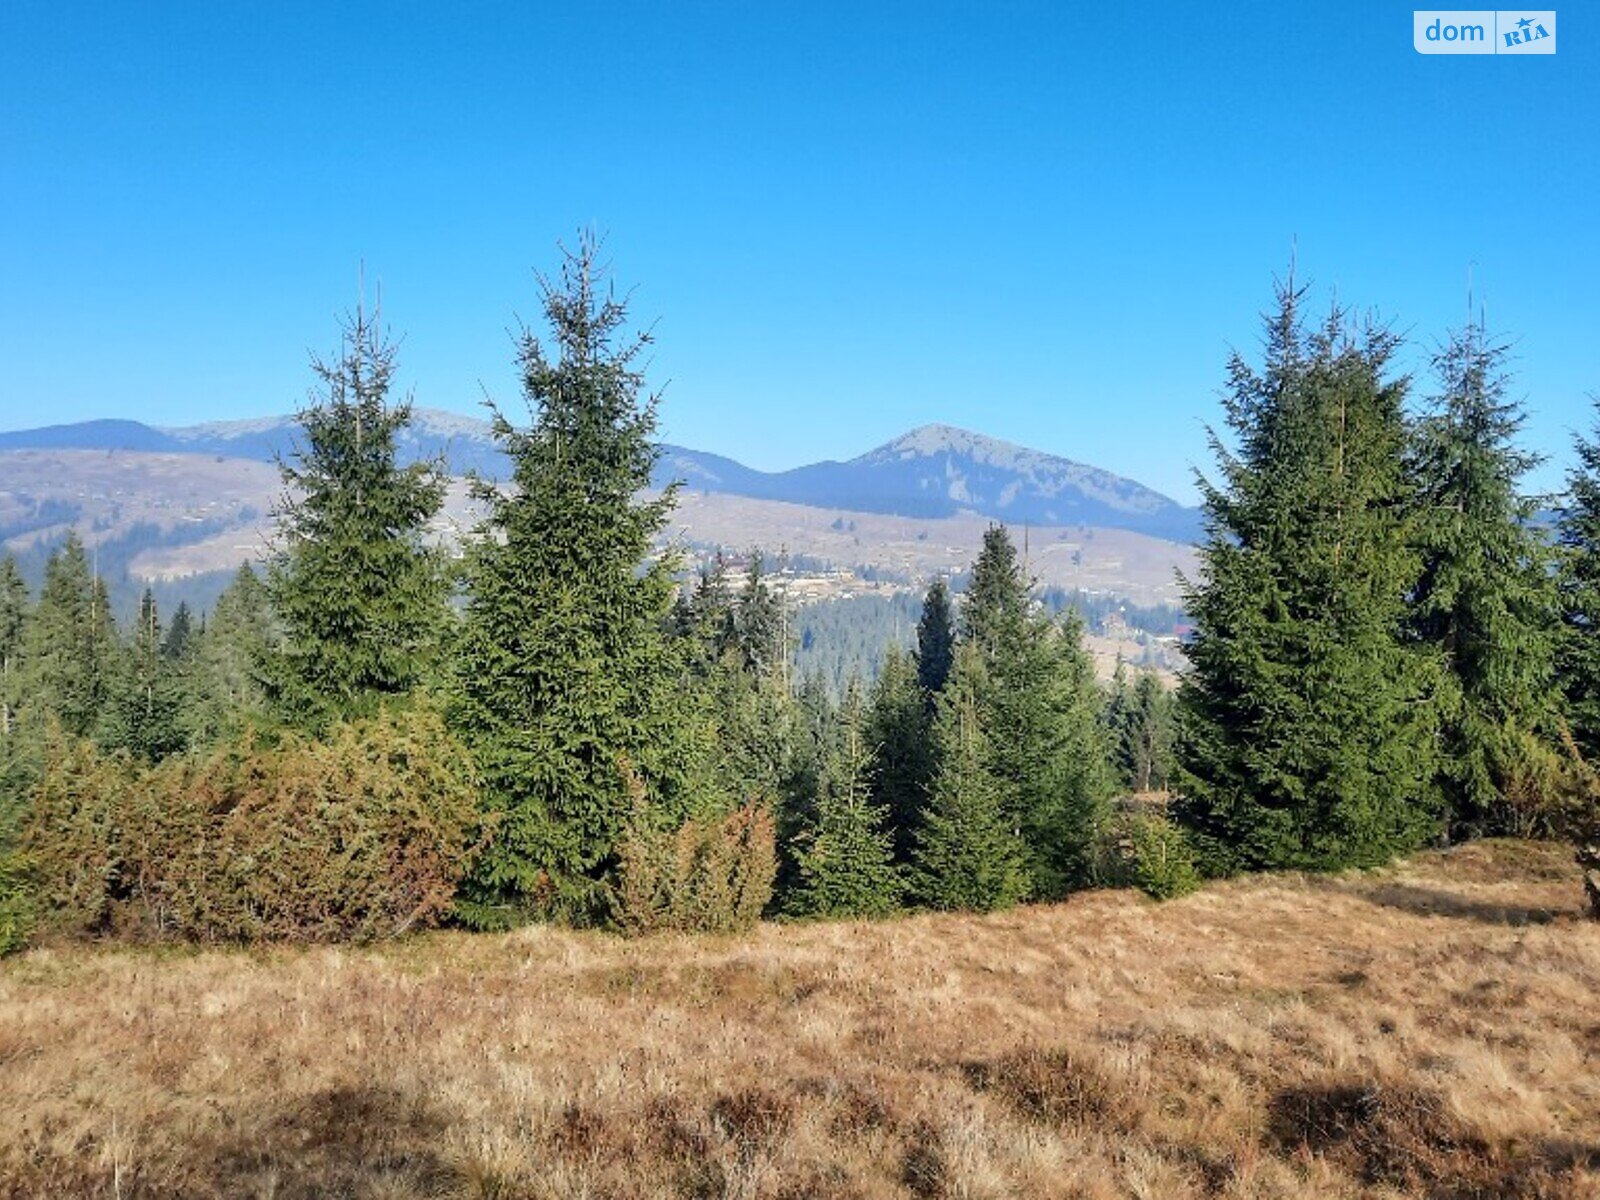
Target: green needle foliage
899 731
361 594
1041 714
1309 727
227 692
565 676
1579 646
968 854
71 648
1487 597
936 638
846 866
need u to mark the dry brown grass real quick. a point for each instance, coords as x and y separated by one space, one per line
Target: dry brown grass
1430 1031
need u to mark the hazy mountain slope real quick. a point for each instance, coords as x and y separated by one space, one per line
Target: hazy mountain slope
934 471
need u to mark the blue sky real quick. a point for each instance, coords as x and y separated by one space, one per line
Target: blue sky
1047 222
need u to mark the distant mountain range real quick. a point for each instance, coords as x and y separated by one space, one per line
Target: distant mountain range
933 471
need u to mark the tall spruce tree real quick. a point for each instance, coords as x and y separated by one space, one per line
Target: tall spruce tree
13 625
1040 714
145 717
565 679
1308 726
226 694
71 649
899 733
1579 647
968 854
846 863
936 639
361 593
1487 597
1139 723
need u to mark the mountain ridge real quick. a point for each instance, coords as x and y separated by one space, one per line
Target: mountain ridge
934 470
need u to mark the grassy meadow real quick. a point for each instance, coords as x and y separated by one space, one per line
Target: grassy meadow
1427 1030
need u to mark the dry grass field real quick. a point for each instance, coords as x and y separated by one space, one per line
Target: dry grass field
1432 1030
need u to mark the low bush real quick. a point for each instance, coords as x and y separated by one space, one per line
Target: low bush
361 835
712 875
1145 850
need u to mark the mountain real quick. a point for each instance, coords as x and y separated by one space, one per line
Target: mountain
933 471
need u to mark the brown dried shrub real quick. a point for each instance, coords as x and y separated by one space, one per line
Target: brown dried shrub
362 835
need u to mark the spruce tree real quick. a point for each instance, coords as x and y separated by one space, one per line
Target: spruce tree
936 639
1486 598
846 865
1041 715
145 721
759 624
361 593
1147 745
566 677
72 645
13 625
967 854
1578 649
1139 724
899 734
1308 726
226 694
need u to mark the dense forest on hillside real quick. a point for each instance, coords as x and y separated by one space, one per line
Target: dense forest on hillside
371 736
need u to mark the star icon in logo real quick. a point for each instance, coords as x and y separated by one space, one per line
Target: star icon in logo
1524 23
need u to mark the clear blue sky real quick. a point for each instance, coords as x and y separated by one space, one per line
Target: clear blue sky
1048 222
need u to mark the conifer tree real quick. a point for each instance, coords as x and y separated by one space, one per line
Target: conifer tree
566 678
846 866
360 592
226 691
1486 597
899 734
1579 646
1040 714
72 644
967 853
1308 727
1139 723
936 639
13 625
758 623
146 717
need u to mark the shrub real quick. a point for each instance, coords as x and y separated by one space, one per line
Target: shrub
16 903
363 835
710 876
1145 850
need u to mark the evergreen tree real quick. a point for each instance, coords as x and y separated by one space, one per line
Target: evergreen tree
936 639
1146 750
146 717
1487 596
1579 646
226 691
899 733
968 854
758 623
1308 728
1040 713
179 643
13 625
362 596
846 865
72 644
1139 724
566 677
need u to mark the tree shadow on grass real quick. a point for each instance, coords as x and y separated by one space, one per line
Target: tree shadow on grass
1435 902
